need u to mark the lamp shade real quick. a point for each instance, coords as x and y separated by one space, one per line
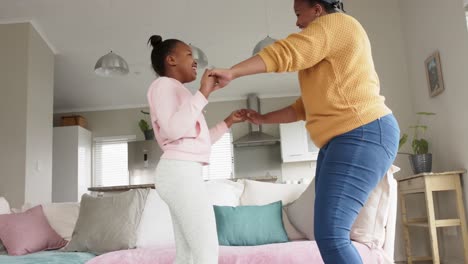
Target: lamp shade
199 56
111 64
262 44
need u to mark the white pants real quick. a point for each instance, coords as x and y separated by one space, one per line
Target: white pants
180 185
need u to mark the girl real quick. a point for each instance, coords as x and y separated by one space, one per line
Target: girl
344 112
182 133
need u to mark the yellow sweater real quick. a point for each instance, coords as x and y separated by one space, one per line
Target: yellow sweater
339 85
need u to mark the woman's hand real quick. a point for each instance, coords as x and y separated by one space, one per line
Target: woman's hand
254 117
236 117
223 76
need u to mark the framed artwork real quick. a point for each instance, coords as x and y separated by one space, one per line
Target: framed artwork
434 74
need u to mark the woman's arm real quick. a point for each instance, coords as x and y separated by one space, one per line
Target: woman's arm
253 65
285 115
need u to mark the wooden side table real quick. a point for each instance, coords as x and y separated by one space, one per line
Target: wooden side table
427 183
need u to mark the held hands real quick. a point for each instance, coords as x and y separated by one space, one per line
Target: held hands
244 115
223 76
254 117
208 84
236 117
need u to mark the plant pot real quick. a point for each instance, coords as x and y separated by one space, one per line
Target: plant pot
149 134
421 163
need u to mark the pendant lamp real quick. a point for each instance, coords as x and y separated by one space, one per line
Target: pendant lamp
199 56
267 40
110 65
262 44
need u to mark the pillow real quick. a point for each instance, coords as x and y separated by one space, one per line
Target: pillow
261 193
108 223
369 227
301 212
250 225
155 228
291 231
61 216
4 209
4 206
224 192
28 232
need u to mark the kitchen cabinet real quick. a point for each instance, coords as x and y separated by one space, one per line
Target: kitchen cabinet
71 166
296 144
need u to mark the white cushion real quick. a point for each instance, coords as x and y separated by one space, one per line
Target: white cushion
4 206
155 228
224 192
62 217
370 225
261 193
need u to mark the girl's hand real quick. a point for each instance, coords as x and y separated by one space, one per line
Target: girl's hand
223 76
236 117
208 84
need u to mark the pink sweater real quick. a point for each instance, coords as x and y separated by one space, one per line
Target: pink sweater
178 122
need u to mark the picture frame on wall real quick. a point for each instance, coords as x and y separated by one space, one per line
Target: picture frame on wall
434 76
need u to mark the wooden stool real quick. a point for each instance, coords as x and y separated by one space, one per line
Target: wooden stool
427 183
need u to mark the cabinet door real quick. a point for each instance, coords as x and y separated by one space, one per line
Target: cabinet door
294 145
311 148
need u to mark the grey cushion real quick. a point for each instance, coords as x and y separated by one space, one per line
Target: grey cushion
108 223
301 212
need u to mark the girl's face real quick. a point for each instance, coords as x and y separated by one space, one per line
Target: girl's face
305 13
185 64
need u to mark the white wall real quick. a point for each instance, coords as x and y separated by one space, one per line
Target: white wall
432 25
13 106
26 75
39 120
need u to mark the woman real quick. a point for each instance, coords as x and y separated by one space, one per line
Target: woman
345 115
182 133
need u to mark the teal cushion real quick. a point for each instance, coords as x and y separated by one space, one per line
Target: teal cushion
250 225
48 257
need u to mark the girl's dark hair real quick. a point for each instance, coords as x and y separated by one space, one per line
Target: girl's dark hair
160 51
331 6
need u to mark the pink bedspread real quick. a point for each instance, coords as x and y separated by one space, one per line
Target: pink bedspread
298 252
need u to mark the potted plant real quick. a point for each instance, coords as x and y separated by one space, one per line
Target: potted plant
421 159
145 127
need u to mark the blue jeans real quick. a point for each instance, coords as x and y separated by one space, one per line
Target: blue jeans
349 167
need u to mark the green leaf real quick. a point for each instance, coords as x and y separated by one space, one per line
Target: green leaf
403 140
143 125
420 146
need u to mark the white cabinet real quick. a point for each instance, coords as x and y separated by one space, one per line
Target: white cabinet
71 165
296 144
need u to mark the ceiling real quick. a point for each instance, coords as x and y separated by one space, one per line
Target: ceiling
79 32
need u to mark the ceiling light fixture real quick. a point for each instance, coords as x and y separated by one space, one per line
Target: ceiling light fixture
199 56
111 64
267 40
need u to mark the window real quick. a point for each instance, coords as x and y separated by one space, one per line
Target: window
221 159
111 161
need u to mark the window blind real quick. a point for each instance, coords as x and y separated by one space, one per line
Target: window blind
221 159
111 160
